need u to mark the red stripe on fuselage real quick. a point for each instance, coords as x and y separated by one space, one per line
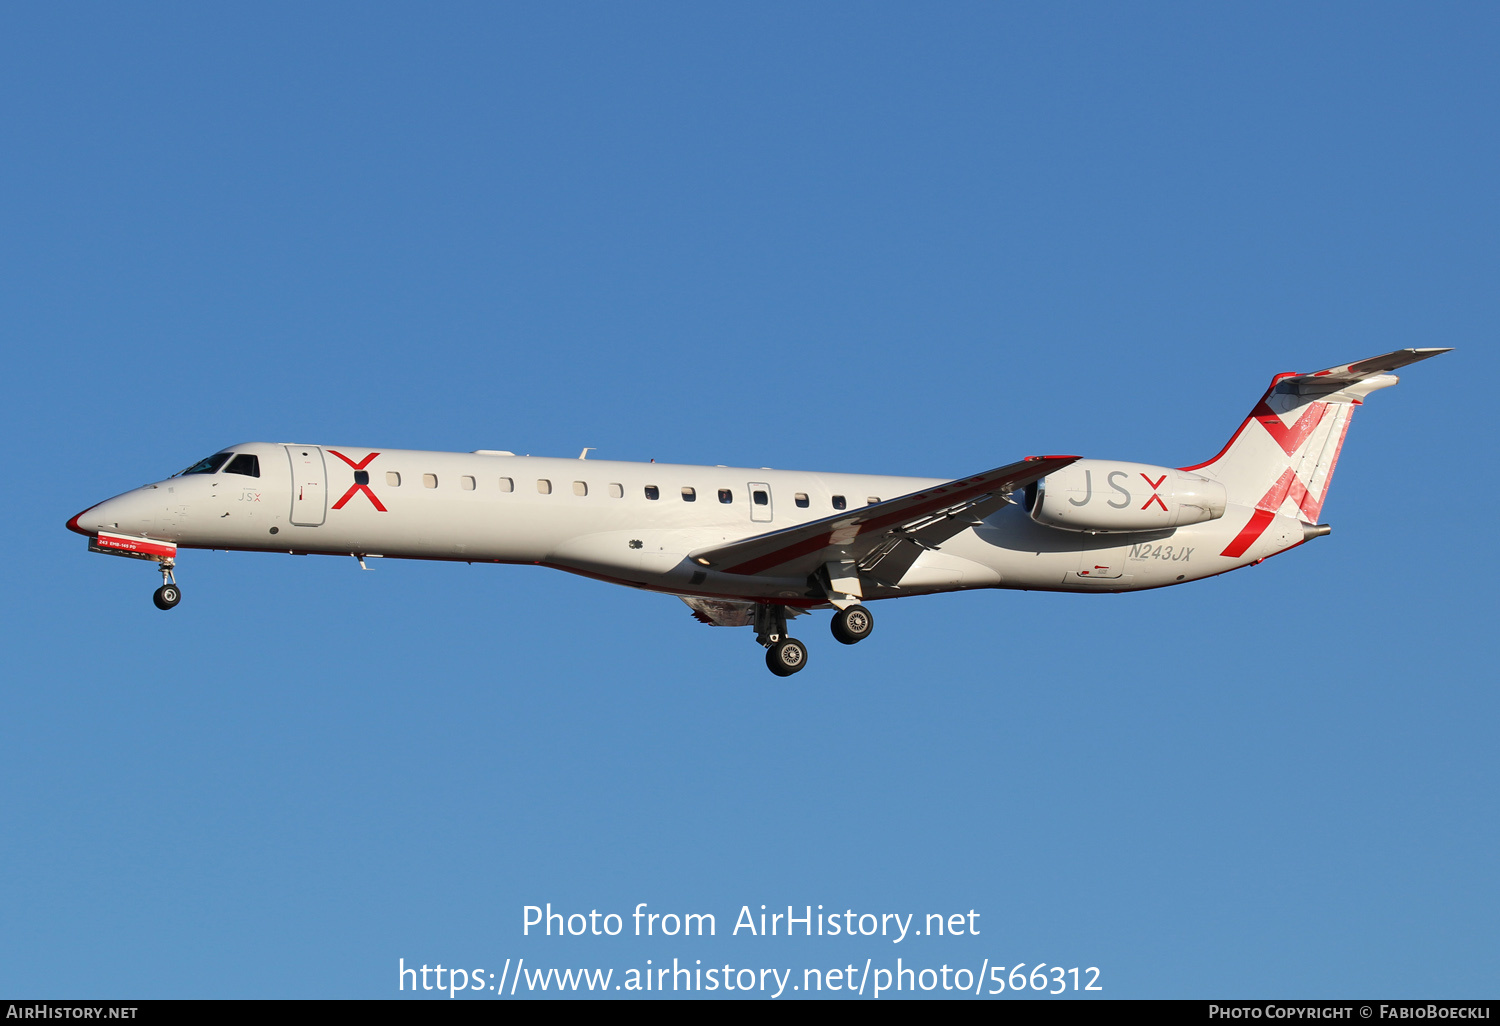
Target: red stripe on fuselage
142 545
1259 521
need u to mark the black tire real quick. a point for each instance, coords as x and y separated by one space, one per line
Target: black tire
853 625
786 657
167 596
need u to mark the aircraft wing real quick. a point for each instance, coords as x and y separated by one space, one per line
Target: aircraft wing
870 533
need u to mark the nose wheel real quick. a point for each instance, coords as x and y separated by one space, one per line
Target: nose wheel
168 595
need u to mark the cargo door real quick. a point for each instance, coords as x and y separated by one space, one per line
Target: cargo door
309 485
1105 565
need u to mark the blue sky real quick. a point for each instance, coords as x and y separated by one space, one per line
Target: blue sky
883 238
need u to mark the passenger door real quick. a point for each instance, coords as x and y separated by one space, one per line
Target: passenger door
309 485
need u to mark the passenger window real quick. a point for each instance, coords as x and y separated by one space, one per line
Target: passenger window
361 477
544 486
210 465
871 500
653 492
689 494
579 488
800 499
393 479
466 483
725 495
760 498
616 491
429 480
838 502
245 463
507 485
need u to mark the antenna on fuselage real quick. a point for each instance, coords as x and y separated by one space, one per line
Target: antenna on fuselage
585 454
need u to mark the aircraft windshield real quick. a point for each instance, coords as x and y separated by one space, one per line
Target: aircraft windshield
249 464
210 465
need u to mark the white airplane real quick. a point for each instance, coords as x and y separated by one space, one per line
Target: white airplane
754 547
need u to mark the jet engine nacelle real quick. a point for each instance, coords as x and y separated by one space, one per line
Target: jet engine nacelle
1102 496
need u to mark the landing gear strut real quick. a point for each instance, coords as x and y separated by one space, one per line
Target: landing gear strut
168 595
784 655
852 625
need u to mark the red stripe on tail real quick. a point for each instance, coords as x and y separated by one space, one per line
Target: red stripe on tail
1265 511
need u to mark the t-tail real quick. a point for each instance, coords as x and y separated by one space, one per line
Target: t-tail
1282 458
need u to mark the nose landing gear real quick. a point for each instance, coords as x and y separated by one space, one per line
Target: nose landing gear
168 595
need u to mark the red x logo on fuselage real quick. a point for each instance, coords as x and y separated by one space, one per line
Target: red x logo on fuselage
358 486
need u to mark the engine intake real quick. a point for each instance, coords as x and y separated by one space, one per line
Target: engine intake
1102 496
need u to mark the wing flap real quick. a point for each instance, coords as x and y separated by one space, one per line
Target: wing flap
889 561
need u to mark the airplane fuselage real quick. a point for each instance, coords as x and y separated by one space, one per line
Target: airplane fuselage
631 523
755 547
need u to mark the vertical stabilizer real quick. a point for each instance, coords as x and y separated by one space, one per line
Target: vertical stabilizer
1282 458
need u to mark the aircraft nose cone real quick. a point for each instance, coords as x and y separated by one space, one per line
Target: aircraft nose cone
131 513
74 526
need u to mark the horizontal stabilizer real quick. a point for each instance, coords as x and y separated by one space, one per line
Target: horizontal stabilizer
1350 373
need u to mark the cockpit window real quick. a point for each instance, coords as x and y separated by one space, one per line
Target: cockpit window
246 463
210 465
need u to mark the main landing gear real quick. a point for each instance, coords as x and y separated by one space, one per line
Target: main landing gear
784 655
852 625
168 595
